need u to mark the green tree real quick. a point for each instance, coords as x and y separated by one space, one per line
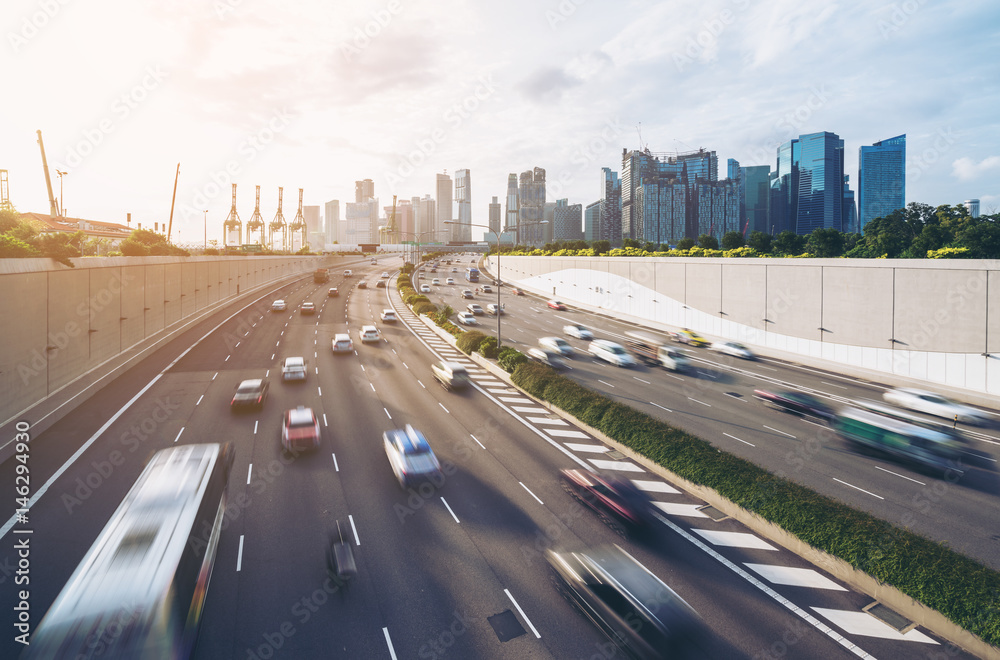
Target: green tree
825 242
732 240
15 248
982 239
9 218
685 243
664 247
602 247
788 243
708 242
57 246
630 243
649 246
133 248
760 241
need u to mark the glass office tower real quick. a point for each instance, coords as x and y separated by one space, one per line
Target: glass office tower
821 182
881 179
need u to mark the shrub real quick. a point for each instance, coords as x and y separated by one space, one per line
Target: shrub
414 298
441 317
509 358
470 341
425 308
488 348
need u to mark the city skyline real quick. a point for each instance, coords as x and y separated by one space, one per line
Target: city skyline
317 97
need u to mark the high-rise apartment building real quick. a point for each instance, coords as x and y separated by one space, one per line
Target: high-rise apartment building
463 197
494 216
364 190
361 222
531 206
567 221
314 228
609 226
443 192
592 222
510 220
331 220
647 183
881 179
424 219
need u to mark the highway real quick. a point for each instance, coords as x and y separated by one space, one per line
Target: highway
454 571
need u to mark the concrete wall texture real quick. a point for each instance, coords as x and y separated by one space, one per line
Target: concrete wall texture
928 320
60 323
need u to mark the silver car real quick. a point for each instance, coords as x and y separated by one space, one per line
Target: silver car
935 404
411 457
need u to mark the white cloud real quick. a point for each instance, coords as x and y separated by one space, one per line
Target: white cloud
967 169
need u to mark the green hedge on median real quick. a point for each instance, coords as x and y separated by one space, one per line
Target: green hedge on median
962 589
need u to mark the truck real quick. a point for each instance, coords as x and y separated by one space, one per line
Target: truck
321 275
652 352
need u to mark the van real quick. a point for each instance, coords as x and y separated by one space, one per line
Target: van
451 375
650 351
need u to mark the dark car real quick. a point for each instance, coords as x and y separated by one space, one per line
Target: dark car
362 284
634 608
798 403
250 394
333 292
618 501
380 284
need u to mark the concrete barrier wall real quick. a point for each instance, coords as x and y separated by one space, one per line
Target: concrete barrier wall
60 323
928 320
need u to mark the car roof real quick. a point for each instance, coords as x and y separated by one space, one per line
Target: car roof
341 336
300 415
388 311
295 360
410 440
368 328
252 382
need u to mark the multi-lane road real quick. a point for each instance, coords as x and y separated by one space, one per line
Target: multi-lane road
454 571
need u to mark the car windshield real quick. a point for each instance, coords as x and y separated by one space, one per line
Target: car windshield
248 387
617 350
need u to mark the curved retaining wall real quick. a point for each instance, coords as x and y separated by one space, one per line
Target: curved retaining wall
924 320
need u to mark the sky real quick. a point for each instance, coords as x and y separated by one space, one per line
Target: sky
318 94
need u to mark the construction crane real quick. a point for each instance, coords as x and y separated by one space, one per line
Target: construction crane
278 224
53 207
173 199
298 226
232 226
5 204
256 224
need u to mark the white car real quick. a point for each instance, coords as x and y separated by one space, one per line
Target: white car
450 280
384 275
436 282
609 351
578 331
425 288
935 404
348 273
557 345
369 333
548 357
342 343
466 318
293 368
733 349
475 309
278 306
388 316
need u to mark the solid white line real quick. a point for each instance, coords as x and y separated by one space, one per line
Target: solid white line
861 489
735 438
523 615
179 434
701 402
249 472
901 475
605 382
777 431
199 400
450 511
477 440
530 493
239 557
336 468
256 422
357 541
387 413
392 652
443 408
660 407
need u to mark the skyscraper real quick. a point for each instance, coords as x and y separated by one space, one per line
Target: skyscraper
331 220
592 222
850 217
463 196
510 221
567 221
821 183
881 179
531 206
647 183
609 225
755 189
494 215
364 190
314 230
443 200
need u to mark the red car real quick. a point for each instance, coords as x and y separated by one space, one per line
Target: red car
618 501
517 292
299 430
555 304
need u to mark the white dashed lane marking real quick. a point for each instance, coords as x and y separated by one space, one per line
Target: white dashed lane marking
676 509
619 466
566 433
655 486
734 539
592 449
547 420
794 577
862 623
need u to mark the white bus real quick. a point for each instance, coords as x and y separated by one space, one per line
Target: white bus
140 589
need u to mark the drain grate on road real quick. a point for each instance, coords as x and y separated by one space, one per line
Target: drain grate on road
506 626
889 617
615 454
713 513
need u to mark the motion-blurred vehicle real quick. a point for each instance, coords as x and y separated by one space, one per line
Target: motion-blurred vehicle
930 403
384 275
380 284
333 293
299 429
935 450
436 282
369 334
618 501
578 331
342 343
388 316
494 309
250 394
733 349
557 305
450 280
451 375
474 308
293 368
278 306
691 338
609 351
557 345
425 288
467 293
467 318
544 356
517 292
307 308
634 608
362 284
798 403
487 288
348 273
411 457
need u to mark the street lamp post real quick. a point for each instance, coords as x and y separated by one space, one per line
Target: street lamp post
205 246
